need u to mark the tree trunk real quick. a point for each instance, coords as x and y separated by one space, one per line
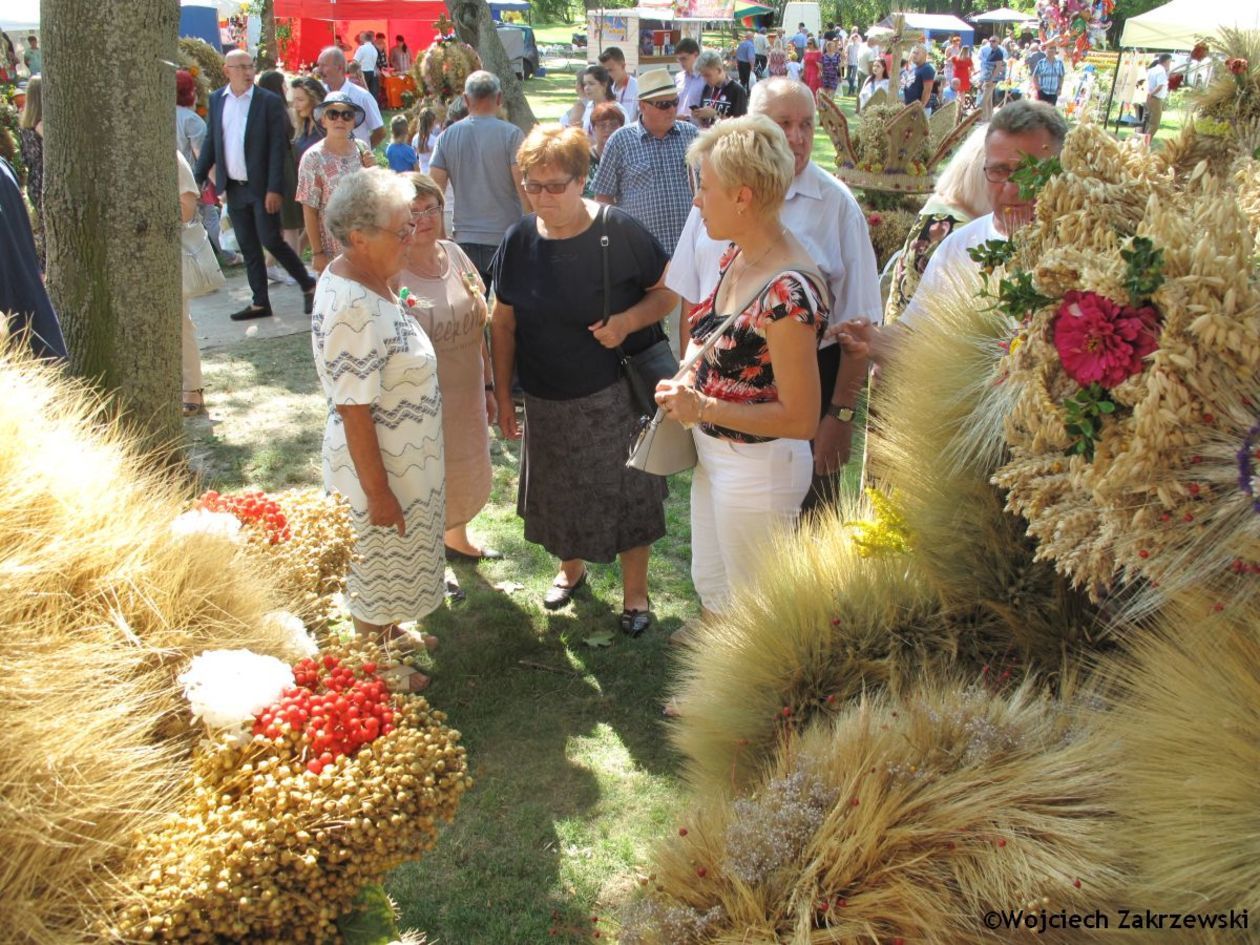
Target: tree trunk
111 207
475 26
268 51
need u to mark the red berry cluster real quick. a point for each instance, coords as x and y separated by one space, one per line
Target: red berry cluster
335 710
254 509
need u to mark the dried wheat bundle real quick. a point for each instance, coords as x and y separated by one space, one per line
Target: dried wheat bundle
905 820
102 602
1135 367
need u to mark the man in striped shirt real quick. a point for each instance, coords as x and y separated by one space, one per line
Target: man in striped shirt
1048 76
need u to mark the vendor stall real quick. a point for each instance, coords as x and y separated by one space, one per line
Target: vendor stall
313 24
647 35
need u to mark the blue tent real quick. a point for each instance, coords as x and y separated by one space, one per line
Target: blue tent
499 7
201 22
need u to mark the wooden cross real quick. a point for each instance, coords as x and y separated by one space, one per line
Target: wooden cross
902 35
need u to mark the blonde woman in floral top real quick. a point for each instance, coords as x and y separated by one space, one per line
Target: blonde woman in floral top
323 166
754 397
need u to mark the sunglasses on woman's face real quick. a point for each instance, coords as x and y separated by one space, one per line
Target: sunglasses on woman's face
551 186
663 106
336 114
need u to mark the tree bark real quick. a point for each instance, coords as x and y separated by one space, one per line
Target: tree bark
475 26
268 51
111 207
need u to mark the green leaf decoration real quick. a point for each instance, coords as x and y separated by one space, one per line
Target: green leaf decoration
1031 175
1144 269
371 922
1017 298
1083 414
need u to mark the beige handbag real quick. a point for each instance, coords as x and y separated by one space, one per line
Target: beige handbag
664 446
202 274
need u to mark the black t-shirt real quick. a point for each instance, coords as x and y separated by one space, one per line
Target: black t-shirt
924 76
22 291
729 101
556 290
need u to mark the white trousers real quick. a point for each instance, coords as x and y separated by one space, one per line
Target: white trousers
740 494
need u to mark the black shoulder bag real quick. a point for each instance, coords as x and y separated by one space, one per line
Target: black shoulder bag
654 363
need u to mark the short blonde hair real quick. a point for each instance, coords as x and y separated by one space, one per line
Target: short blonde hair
565 149
752 152
426 186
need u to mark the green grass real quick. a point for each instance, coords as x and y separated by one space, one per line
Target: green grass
565 739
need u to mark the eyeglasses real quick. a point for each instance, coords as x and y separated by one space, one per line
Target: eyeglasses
404 233
426 214
663 106
551 186
337 114
998 173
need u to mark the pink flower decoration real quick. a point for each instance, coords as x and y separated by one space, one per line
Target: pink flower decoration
1101 342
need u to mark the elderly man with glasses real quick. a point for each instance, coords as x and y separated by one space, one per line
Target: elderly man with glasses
644 166
1018 131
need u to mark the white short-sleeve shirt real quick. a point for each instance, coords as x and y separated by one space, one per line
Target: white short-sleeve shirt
950 265
819 211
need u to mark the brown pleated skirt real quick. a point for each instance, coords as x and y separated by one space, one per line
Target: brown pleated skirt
576 494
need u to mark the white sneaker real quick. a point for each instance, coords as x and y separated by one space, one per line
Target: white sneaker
276 274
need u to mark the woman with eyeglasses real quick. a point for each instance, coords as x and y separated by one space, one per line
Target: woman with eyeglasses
606 118
382 446
324 165
576 495
448 299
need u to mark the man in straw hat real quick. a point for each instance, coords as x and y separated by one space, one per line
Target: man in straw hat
245 144
644 167
820 212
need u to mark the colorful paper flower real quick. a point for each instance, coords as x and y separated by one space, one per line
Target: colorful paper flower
1102 342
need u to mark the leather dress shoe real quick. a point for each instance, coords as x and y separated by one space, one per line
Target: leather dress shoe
487 554
249 312
560 594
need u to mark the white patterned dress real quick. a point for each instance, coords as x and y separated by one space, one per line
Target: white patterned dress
368 351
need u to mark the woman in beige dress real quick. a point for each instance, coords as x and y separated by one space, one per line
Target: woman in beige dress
446 296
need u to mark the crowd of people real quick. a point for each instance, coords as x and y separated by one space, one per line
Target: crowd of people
492 276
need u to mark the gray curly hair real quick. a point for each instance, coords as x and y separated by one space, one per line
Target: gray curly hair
365 199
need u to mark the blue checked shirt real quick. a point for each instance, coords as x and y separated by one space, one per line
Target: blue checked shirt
647 177
1048 76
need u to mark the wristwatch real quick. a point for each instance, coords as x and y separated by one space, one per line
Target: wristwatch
843 414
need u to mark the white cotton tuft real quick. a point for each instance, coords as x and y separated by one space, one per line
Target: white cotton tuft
298 643
205 522
227 688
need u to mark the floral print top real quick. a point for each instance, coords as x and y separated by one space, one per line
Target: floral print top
318 176
737 368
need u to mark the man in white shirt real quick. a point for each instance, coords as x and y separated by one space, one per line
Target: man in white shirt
332 66
625 86
820 212
761 48
366 55
1156 93
689 81
1017 130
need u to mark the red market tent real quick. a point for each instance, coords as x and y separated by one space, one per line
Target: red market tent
316 24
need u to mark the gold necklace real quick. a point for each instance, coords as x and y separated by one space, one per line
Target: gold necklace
747 266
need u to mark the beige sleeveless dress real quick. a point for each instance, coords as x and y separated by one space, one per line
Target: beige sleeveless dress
454 318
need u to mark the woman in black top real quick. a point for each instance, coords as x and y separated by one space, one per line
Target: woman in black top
576 495
723 97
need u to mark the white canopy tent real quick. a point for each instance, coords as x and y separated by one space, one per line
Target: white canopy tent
1179 24
19 15
1003 15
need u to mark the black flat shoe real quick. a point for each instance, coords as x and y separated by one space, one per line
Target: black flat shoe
634 622
455 594
560 594
308 300
487 554
249 312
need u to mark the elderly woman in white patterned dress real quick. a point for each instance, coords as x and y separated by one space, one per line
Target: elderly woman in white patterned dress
383 442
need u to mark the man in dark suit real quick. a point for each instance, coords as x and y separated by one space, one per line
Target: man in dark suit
245 145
